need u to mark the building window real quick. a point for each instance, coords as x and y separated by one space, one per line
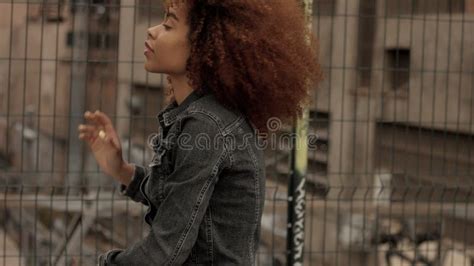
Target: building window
93 7
96 40
366 40
149 9
324 7
398 68
49 10
408 7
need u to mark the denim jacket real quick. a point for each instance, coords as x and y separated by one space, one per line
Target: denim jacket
204 189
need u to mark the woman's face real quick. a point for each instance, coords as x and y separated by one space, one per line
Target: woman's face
169 43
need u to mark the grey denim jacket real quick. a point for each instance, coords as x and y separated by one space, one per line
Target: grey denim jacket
204 189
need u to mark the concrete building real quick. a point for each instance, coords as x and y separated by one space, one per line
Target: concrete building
42 62
395 111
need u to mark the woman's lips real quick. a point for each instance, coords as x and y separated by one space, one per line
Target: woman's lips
148 48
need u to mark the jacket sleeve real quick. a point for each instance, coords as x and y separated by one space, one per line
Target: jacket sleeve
200 157
133 189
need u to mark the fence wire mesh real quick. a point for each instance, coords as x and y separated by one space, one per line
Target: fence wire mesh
389 183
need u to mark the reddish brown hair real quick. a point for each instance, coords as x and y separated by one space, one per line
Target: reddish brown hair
254 55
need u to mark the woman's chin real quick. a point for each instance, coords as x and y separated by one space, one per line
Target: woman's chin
147 67
152 68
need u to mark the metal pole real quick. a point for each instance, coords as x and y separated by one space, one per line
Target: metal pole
78 89
296 185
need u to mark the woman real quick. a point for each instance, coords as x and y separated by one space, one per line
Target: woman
232 65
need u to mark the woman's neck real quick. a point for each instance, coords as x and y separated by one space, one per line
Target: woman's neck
181 88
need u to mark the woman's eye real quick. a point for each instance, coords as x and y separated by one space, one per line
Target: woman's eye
166 27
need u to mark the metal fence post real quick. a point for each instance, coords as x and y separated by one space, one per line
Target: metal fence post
296 185
78 91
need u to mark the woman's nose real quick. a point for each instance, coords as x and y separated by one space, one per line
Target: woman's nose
151 33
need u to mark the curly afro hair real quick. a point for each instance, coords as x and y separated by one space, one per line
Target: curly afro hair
256 56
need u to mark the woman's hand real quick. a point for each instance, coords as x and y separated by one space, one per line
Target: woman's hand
104 142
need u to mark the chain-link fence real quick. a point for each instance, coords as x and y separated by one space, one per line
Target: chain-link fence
389 183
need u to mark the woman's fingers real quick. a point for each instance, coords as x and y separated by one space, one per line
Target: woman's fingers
89 116
87 137
102 119
95 139
87 129
105 121
98 118
102 123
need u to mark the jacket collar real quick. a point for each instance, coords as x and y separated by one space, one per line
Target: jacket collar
168 115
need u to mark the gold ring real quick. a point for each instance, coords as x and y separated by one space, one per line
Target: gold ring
102 134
